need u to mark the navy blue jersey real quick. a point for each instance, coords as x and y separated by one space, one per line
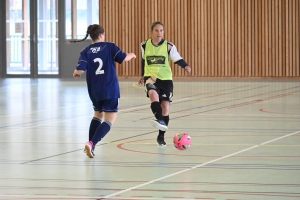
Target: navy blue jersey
98 60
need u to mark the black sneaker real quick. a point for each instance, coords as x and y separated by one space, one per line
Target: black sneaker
161 141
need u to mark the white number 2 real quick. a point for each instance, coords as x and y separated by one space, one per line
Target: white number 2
99 71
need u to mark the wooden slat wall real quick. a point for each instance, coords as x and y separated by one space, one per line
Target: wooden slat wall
218 38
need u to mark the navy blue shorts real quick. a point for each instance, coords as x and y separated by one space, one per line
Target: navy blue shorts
108 105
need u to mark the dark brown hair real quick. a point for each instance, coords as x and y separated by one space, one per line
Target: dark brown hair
93 30
156 23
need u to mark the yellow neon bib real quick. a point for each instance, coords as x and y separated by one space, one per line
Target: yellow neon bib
157 61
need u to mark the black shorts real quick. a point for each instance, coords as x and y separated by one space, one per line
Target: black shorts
164 89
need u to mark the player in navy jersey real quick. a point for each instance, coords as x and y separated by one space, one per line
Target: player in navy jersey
157 76
98 60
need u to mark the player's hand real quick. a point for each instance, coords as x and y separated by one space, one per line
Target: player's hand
77 73
151 80
141 80
188 69
132 56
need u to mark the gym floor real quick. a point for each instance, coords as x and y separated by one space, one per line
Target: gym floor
245 142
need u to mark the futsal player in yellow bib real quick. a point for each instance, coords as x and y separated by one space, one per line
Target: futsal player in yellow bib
157 76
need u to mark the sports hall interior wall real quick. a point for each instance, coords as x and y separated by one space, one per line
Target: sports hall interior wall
228 38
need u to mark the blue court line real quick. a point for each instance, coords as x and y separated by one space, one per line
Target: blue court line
172 165
134 128
14 125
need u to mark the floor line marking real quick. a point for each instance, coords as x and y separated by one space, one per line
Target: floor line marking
37 111
197 166
133 108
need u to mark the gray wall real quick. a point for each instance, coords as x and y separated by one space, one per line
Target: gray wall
68 52
69 57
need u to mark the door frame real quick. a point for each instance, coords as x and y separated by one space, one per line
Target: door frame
3 40
33 41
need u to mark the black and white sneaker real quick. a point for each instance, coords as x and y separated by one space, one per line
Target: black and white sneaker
84 151
161 141
159 124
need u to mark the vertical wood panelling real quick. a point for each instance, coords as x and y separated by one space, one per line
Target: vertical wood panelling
250 38
294 37
283 41
297 44
209 38
290 44
218 38
279 39
261 41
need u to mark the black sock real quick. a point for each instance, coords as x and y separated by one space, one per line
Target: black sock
166 119
93 127
156 109
101 131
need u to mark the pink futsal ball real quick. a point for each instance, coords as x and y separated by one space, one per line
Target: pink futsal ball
182 141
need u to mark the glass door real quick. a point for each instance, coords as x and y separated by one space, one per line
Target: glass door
31 30
22 37
47 37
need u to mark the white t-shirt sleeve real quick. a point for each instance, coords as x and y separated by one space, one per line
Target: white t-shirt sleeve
173 55
142 49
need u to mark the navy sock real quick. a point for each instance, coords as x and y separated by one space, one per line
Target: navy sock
101 131
166 119
156 109
93 127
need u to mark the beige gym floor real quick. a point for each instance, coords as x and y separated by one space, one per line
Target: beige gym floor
245 142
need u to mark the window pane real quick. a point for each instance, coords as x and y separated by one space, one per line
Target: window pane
47 37
17 37
79 15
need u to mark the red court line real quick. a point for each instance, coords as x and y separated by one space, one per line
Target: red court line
265 194
261 100
120 146
262 110
142 196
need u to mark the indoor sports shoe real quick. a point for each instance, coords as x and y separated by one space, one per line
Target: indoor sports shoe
161 141
89 149
159 124
84 151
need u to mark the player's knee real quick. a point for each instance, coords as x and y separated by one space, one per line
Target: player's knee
98 115
153 95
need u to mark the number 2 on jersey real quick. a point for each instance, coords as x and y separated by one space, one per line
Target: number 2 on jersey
99 71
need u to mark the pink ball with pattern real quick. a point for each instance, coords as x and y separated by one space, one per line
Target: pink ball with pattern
182 141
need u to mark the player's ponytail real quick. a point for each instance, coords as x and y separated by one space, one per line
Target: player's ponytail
93 30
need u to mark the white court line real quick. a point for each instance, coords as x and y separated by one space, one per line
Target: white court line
198 166
148 105
20 128
77 197
58 108
120 111
90 103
